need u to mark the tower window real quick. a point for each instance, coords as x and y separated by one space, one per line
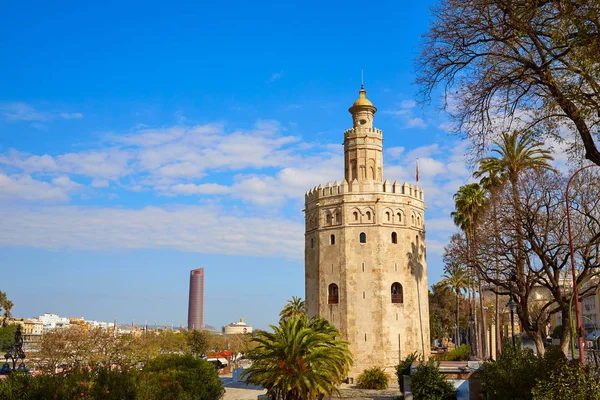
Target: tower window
332 239
355 215
394 237
338 217
399 216
397 294
388 216
333 294
312 243
363 237
369 215
329 219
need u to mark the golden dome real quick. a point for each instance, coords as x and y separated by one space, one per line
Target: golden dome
362 99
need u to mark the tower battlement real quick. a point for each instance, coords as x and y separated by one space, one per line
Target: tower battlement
405 189
360 130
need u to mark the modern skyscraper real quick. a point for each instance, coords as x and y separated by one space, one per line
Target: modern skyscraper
196 301
365 266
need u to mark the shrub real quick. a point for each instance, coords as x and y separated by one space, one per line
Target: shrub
167 376
513 376
564 379
373 378
404 369
461 353
428 384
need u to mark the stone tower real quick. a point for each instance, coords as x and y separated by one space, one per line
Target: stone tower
365 264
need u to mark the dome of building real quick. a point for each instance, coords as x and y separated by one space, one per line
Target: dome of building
362 98
237 328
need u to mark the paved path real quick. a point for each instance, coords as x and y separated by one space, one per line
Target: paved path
239 391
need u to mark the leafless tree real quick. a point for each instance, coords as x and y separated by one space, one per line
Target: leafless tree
531 61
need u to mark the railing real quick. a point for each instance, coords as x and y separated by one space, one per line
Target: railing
332 299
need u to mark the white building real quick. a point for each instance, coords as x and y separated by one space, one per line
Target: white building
237 328
54 321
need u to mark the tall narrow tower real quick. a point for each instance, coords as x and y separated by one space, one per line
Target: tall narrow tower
365 264
196 300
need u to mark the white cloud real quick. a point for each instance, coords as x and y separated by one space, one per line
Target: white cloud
204 229
408 104
275 77
205 188
19 111
24 187
416 123
395 152
70 115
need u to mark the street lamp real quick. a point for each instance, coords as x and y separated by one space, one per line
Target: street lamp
512 306
575 290
16 353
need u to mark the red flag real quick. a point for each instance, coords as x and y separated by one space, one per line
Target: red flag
417 170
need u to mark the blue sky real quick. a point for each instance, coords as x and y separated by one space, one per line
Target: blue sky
141 140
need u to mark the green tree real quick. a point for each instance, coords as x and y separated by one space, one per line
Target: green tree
198 342
6 305
180 377
514 154
295 306
300 359
470 201
456 279
493 181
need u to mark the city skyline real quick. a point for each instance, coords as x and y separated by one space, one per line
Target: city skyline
137 143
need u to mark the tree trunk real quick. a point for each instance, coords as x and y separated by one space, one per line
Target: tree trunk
457 333
483 336
565 336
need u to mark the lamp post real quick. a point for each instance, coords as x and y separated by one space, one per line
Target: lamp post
16 352
512 306
573 272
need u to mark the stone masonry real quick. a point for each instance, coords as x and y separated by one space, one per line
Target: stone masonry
365 263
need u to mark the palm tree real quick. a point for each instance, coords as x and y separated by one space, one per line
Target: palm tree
516 153
456 279
492 181
470 200
295 306
301 359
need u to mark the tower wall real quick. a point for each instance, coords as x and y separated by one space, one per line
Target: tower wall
196 300
364 304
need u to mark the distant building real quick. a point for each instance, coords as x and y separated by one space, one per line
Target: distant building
237 328
54 321
196 300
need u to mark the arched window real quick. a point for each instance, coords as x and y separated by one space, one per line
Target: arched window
332 239
312 243
355 215
413 219
363 237
333 294
394 237
388 215
399 217
329 219
397 295
369 215
419 220
338 217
